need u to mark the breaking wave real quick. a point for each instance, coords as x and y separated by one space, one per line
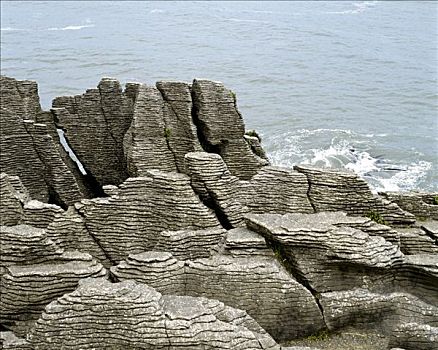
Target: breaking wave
71 27
345 149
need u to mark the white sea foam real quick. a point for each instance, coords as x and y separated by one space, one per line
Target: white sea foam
358 7
346 150
156 11
406 179
10 29
71 27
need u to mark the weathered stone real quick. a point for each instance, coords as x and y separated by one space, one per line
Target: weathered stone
415 240
422 205
29 149
385 312
12 197
413 336
336 190
9 341
141 209
95 124
40 214
212 99
257 284
272 189
20 102
145 144
136 316
181 132
69 232
27 289
431 229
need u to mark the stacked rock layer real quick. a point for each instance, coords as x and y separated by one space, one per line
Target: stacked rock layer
174 232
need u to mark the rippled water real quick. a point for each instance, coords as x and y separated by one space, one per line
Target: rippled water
329 83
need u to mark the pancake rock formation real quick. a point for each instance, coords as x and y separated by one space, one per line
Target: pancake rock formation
148 217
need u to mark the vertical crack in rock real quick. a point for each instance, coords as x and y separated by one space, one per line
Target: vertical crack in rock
309 197
289 264
95 239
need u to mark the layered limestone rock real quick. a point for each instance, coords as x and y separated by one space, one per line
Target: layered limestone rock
145 143
272 189
135 316
137 213
12 195
9 341
360 279
422 205
30 150
385 312
416 240
34 271
256 283
413 336
337 257
334 190
212 99
98 120
181 133
69 232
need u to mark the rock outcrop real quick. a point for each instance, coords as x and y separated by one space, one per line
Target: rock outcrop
181 235
256 283
100 314
30 150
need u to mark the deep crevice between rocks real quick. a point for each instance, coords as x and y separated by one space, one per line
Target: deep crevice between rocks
309 187
90 182
96 240
200 126
287 261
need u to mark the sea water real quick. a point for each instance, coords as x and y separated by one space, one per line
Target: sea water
336 84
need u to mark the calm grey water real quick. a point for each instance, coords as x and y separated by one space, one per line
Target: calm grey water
329 83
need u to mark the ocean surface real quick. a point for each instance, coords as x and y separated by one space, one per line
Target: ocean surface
337 84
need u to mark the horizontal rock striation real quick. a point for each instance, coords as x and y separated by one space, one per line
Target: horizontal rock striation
422 205
98 119
30 150
131 315
212 99
334 190
256 283
137 213
358 278
34 271
169 191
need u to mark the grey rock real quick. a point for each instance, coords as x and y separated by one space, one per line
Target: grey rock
40 214
95 124
417 240
327 256
12 196
9 341
142 208
421 204
336 190
30 150
212 99
272 189
431 229
384 312
413 336
258 284
133 315
27 289
181 132
26 245
145 144
241 242
69 232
